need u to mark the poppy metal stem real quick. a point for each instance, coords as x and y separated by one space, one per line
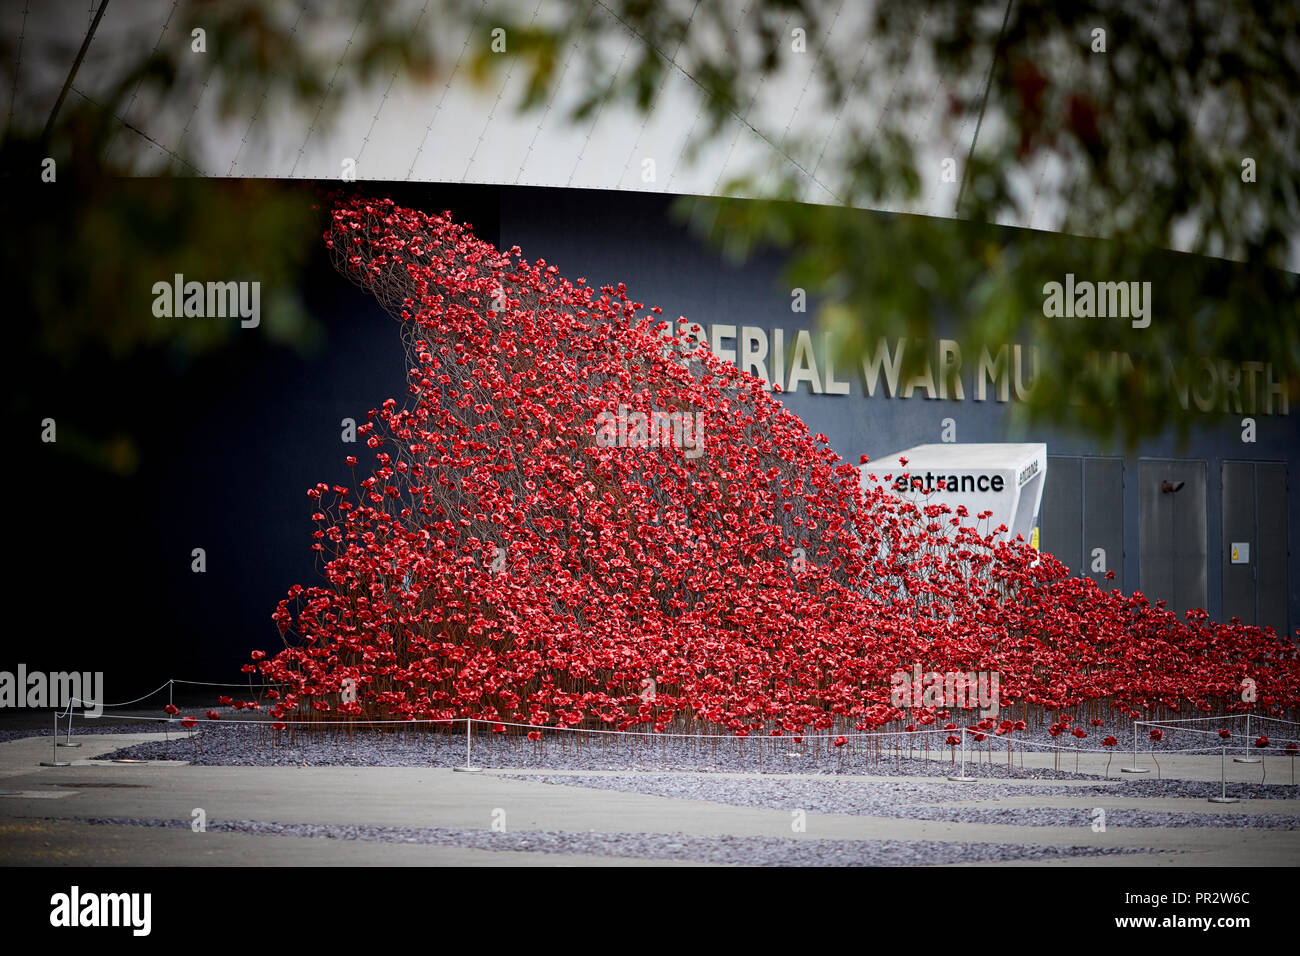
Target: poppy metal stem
469 767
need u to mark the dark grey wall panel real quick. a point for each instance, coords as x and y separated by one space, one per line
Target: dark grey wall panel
1103 518
1172 543
1060 520
1239 526
1272 564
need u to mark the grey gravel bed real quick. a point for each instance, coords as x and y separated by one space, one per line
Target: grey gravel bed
908 800
1115 817
104 727
240 745
744 851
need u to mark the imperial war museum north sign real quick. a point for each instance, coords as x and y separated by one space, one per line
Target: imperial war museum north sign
804 360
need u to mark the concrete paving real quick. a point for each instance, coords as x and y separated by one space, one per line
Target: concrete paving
39 824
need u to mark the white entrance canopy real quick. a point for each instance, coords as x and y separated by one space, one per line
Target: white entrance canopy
1006 479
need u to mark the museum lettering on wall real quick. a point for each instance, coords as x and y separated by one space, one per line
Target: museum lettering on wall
803 360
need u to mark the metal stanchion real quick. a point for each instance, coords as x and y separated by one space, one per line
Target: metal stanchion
55 761
468 768
962 778
69 742
1223 781
1135 768
1245 748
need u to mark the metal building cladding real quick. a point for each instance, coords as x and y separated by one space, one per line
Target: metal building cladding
1204 524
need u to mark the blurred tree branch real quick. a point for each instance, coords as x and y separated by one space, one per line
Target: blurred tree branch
1141 145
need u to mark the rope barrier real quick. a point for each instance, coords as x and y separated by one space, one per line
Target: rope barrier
1185 720
790 738
125 703
1215 733
208 683
1023 742
163 686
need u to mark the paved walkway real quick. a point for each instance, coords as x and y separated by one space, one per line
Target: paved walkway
39 822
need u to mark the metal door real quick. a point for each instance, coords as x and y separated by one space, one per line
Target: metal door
1103 520
1172 559
1060 519
1082 518
1255 543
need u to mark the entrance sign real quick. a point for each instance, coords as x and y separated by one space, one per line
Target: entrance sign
1004 478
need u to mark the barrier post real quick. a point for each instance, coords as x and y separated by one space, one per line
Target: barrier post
56 729
54 761
1135 768
1245 747
1223 780
962 778
468 768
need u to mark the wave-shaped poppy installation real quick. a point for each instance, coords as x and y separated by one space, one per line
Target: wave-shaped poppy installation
581 518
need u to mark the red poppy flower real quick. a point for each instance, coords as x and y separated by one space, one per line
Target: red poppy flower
188 722
1110 741
841 741
1261 741
1157 734
213 715
172 709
